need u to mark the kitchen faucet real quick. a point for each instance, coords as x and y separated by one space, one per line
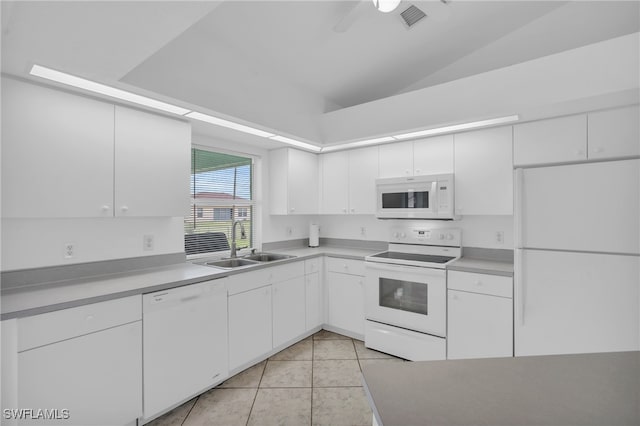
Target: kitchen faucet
233 235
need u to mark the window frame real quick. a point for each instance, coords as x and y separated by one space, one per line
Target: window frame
255 204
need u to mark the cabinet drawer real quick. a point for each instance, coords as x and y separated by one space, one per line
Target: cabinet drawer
39 330
312 265
480 283
250 280
345 266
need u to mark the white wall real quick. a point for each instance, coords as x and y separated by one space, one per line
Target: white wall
477 231
32 243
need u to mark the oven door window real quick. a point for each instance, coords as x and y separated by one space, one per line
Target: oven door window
405 200
403 295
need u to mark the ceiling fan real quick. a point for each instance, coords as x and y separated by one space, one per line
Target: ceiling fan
411 15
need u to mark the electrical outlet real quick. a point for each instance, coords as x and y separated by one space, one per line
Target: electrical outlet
147 242
289 231
363 231
69 250
499 237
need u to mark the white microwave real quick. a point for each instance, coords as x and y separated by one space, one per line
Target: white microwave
415 197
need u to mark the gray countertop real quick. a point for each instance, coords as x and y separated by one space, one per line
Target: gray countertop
482 266
37 299
582 389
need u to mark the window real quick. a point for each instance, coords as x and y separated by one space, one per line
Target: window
221 192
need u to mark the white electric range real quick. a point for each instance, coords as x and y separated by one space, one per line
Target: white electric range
406 292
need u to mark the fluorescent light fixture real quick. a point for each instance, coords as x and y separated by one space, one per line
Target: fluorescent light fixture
92 86
229 124
296 143
358 143
457 127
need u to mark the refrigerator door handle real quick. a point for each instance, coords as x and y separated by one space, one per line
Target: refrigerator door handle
519 211
519 285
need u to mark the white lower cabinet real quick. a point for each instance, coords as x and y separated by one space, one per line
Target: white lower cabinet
93 378
288 310
346 302
480 316
250 326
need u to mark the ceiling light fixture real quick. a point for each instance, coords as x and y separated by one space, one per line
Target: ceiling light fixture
457 127
386 6
228 124
358 144
296 143
92 86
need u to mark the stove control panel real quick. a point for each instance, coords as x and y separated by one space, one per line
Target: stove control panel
451 237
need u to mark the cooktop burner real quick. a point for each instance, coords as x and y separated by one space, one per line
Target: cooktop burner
427 258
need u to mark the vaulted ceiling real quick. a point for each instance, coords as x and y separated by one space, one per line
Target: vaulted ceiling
282 64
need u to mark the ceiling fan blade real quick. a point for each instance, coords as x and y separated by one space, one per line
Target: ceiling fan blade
352 15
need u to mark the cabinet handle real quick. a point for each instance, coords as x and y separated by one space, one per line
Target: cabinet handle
353 210
105 208
417 171
124 208
344 210
292 210
406 172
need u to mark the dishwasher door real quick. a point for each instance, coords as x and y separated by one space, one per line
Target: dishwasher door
184 343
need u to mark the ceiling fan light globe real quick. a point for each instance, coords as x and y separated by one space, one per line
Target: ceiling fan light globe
386 6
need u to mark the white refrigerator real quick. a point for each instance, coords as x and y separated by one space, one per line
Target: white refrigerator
577 258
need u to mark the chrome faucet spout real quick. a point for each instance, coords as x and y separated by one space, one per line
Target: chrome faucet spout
233 236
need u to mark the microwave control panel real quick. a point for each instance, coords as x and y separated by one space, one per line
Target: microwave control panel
426 236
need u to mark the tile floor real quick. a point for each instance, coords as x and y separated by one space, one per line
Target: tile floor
314 382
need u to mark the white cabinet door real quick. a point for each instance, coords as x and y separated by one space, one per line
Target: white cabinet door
484 172
433 156
314 299
614 133
346 301
335 182
57 153
479 326
363 171
152 164
396 159
303 182
557 140
97 377
567 302
289 306
250 327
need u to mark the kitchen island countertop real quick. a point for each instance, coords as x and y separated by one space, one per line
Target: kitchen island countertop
580 389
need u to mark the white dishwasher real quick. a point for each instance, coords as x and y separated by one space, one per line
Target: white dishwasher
184 343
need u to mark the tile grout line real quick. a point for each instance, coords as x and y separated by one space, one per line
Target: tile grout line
190 410
253 403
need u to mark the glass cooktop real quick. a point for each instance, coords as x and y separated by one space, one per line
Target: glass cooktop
428 258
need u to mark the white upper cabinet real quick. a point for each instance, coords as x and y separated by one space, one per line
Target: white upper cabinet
293 178
614 133
433 156
363 171
484 172
152 164
557 140
57 153
348 181
396 159
335 178
66 155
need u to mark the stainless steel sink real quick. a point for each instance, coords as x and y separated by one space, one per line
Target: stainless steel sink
231 263
267 257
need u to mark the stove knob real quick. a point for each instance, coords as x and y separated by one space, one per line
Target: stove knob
402 235
449 236
395 235
441 236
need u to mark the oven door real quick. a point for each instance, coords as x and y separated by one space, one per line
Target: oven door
410 297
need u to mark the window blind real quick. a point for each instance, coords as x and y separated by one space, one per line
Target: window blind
221 193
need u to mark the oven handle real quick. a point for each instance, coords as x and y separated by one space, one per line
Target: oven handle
379 266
